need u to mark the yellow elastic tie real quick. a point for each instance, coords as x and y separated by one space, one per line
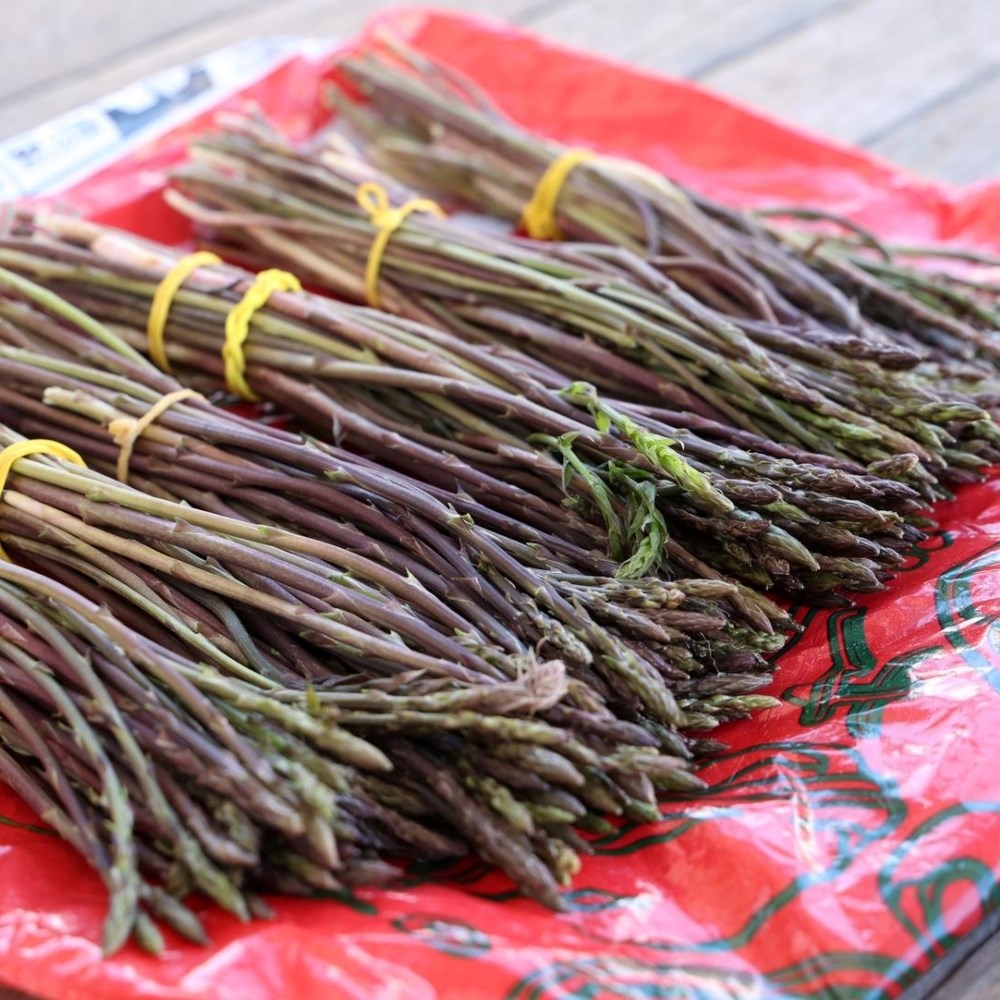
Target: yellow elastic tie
127 430
36 446
539 215
163 298
238 326
374 199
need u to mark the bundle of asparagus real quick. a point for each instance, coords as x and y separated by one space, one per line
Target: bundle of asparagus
429 126
169 776
509 586
250 191
433 718
374 542
506 436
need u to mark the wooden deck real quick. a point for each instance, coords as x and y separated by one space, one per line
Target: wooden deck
914 80
917 81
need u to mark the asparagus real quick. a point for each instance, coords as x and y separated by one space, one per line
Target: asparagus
503 439
253 193
411 720
564 612
252 728
850 289
76 697
157 768
949 315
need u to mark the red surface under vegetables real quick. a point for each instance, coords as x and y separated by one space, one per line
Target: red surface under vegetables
853 834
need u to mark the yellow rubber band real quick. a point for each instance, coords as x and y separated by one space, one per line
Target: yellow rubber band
374 199
539 215
163 298
238 326
127 430
36 446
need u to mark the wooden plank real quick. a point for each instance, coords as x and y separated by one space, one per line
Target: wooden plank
976 979
957 140
683 38
970 970
108 69
42 41
855 72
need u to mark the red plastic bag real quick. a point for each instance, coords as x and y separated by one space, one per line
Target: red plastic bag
852 836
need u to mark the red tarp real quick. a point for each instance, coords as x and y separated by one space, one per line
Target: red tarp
852 835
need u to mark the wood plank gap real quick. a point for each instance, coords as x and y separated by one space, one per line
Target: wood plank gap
133 49
968 971
785 31
867 65
982 77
